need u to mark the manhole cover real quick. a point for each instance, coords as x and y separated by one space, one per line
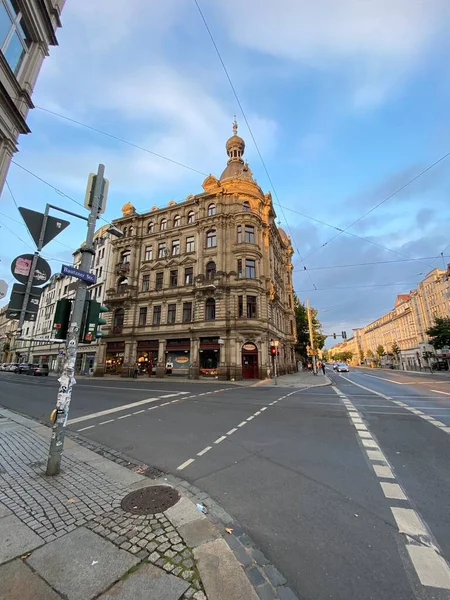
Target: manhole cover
150 500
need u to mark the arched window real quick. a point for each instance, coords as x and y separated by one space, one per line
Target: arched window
210 270
125 231
119 315
125 257
210 309
191 217
177 221
211 210
150 227
122 284
131 230
211 238
163 225
246 206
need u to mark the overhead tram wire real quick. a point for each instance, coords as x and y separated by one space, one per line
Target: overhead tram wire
354 287
233 89
378 262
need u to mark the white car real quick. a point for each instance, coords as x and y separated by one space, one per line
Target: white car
342 368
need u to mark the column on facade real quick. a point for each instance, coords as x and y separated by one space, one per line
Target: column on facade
129 359
100 360
161 365
194 369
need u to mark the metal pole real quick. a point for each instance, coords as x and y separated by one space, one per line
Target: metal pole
275 362
311 336
67 379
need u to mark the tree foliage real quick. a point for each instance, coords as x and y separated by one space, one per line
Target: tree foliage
440 332
343 356
301 319
361 355
395 350
370 353
380 350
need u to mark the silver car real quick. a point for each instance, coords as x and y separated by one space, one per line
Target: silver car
342 368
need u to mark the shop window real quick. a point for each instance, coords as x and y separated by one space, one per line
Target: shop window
148 253
163 225
251 307
159 280
211 210
239 268
249 234
250 268
177 221
210 309
246 206
175 247
146 283
191 217
156 315
162 250
171 313
239 234
190 244
142 316
188 276
174 278
211 239
122 284
187 312
210 270
240 307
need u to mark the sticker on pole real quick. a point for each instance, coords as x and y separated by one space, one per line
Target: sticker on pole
21 267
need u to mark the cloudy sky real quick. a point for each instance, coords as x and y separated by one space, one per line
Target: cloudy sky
348 101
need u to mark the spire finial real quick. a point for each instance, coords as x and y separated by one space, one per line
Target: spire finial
235 126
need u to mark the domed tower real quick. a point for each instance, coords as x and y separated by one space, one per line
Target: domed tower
236 168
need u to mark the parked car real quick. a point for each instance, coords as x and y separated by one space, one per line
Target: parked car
440 365
13 367
39 370
25 368
342 368
3 366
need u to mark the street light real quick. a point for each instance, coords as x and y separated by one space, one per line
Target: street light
113 230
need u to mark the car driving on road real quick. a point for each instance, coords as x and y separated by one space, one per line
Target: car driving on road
342 368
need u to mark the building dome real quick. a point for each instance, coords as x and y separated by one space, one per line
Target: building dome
128 209
236 168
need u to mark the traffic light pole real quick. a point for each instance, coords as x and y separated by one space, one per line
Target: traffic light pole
67 379
311 336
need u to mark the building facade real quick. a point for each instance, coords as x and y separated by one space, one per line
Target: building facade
406 326
27 31
202 287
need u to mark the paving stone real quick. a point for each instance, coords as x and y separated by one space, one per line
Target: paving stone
168 567
187 574
177 570
16 538
188 563
83 547
151 546
164 547
18 582
4 511
266 592
178 547
154 556
197 533
147 583
285 593
274 575
200 596
183 512
255 576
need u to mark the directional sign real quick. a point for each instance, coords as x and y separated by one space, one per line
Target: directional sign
72 272
3 288
33 221
18 295
21 266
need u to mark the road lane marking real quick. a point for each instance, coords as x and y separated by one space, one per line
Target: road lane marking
360 427
138 412
408 522
430 567
85 428
204 451
231 431
439 392
108 421
242 424
369 444
385 379
393 491
250 418
220 439
257 413
109 411
365 435
384 472
376 455
264 408
124 416
186 464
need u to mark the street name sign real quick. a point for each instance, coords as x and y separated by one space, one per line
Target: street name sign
78 273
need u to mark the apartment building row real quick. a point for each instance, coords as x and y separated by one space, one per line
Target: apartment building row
405 326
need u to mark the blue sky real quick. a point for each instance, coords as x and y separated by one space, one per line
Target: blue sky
347 101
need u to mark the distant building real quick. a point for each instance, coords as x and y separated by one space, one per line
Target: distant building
202 287
27 31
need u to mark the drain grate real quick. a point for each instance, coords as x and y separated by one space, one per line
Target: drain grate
150 500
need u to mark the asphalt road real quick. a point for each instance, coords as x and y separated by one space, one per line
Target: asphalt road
296 469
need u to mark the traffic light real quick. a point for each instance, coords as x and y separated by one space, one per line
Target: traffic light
334 335
344 335
62 318
93 321
273 350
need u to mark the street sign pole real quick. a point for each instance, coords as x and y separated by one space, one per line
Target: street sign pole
67 379
311 336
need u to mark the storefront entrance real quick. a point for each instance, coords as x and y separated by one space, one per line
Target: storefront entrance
209 357
114 357
250 361
147 356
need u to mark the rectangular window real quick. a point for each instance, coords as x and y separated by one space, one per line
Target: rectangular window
187 312
103 253
159 280
239 268
156 315
162 250
188 276
250 268
239 234
145 283
240 307
173 278
292 328
171 313
249 234
211 239
190 244
100 272
148 253
251 307
175 247
142 315
14 41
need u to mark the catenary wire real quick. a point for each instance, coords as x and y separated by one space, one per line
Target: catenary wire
377 262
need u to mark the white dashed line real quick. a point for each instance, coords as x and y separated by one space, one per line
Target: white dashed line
108 421
439 392
408 522
220 439
232 431
85 428
124 416
257 413
392 490
383 472
430 567
250 418
185 464
204 451
242 424
138 412
369 443
264 408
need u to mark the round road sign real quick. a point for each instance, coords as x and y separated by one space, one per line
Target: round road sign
21 265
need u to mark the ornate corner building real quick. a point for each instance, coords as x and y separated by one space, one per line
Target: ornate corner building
202 287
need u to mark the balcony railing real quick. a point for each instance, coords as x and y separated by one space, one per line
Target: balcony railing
122 267
117 329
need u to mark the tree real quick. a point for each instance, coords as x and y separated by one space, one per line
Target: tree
361 356
440 332
301 319
396 350
380 351
370 353
343 356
